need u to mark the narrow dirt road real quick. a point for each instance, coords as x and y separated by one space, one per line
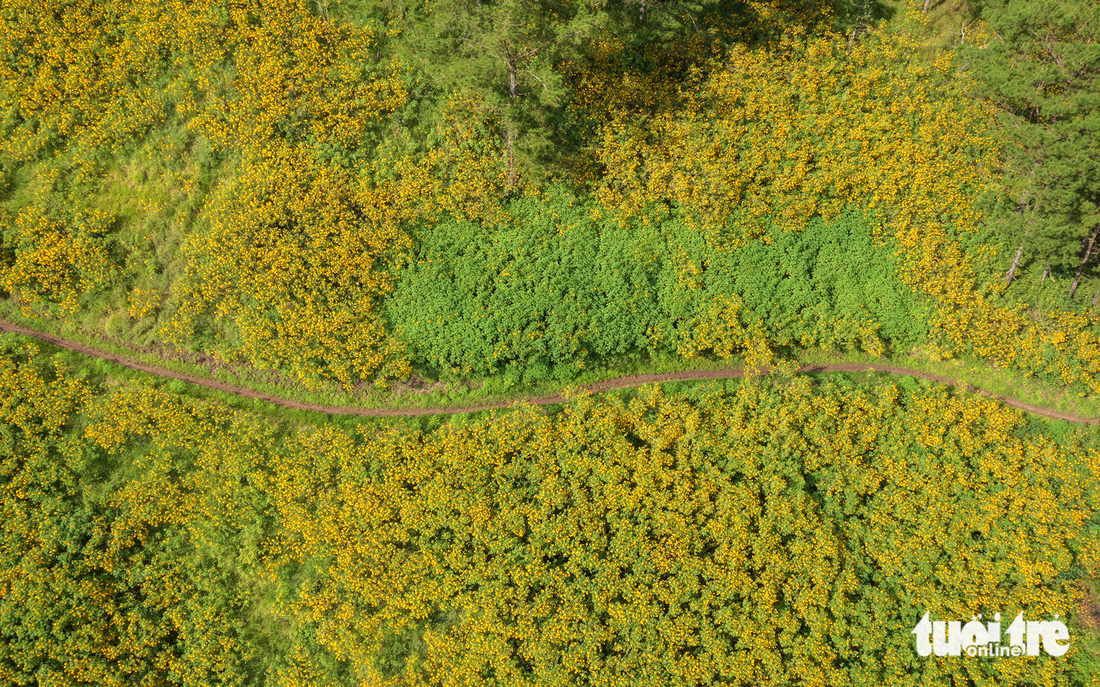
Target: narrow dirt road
617 383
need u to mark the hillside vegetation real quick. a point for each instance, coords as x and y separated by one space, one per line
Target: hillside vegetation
270 184
746 534
359 193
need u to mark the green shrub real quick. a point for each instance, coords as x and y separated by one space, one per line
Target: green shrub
547 290
557 286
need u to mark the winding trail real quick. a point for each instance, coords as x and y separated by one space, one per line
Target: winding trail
608 385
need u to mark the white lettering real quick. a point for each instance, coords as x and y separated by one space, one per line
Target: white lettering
945 638
974 633
923 631
982 639
1016 631
993 630
1054 632
1034 633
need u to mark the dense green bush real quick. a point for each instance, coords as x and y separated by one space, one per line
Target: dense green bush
811 285
557 285
546 290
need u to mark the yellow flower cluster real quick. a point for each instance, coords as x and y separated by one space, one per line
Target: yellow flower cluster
682 539
294 255
298 250
88 571
749 535
142 302
609 90
807 126
299 246
804 129
84 71
56 262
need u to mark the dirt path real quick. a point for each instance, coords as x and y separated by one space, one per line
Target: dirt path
617 383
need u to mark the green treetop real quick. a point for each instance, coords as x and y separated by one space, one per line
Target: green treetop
1039 68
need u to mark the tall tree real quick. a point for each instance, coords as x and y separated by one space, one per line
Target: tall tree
510 54
1040 69
503 52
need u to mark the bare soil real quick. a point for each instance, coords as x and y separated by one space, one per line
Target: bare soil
608 385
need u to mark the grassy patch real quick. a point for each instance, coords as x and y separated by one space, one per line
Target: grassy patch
979 373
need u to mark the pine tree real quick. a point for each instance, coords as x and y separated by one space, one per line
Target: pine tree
1040 70
503 52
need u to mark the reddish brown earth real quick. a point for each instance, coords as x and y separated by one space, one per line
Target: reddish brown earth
617 383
